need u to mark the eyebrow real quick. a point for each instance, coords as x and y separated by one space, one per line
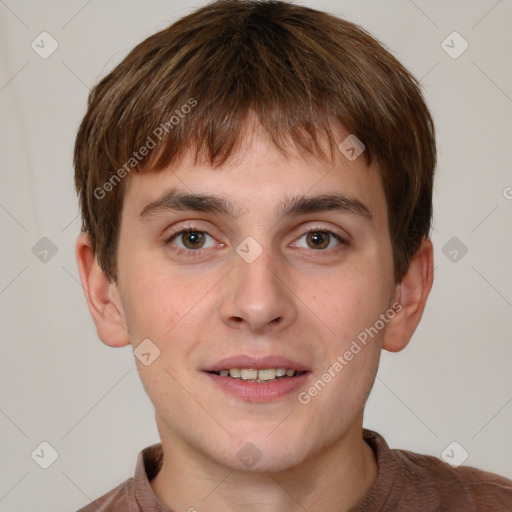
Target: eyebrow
293 206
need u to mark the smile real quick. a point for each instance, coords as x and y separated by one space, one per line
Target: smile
264 375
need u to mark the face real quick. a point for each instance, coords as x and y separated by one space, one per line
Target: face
268 276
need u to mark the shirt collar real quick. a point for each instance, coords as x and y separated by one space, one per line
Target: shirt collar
149 463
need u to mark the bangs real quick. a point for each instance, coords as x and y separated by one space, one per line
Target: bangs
198 97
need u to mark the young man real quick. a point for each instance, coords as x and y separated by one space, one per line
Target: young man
256 190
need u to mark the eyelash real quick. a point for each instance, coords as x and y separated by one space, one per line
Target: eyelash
197 252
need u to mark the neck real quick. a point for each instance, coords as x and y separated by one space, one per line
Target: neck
337 478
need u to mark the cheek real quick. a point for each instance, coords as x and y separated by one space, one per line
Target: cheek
350 303
351 306
158 298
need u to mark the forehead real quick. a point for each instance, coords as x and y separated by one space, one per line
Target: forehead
259 178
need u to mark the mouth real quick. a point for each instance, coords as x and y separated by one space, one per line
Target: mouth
260 376
254 379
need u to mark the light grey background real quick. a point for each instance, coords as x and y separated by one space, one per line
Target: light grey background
61 385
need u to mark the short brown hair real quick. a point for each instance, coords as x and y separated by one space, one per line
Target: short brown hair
303 73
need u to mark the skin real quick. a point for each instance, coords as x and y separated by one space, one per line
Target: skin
294 300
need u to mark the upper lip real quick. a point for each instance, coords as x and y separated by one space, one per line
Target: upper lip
256 363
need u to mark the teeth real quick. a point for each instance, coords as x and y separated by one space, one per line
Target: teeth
267 374
257 375
248 374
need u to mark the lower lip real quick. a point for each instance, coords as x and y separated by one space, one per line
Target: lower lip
259 391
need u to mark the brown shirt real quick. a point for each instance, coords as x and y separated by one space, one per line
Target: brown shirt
407 482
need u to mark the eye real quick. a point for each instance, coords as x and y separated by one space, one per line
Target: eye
321 239
191 239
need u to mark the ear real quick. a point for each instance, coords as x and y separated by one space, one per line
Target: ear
102 296
411 298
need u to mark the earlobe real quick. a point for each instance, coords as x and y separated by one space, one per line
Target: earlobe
101 295
412 294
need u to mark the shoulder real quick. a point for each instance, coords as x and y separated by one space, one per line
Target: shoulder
116 500
128 496
411 481
463 488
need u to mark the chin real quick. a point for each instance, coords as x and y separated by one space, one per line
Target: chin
265 462
261 452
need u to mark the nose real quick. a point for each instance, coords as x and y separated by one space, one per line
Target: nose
258 296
